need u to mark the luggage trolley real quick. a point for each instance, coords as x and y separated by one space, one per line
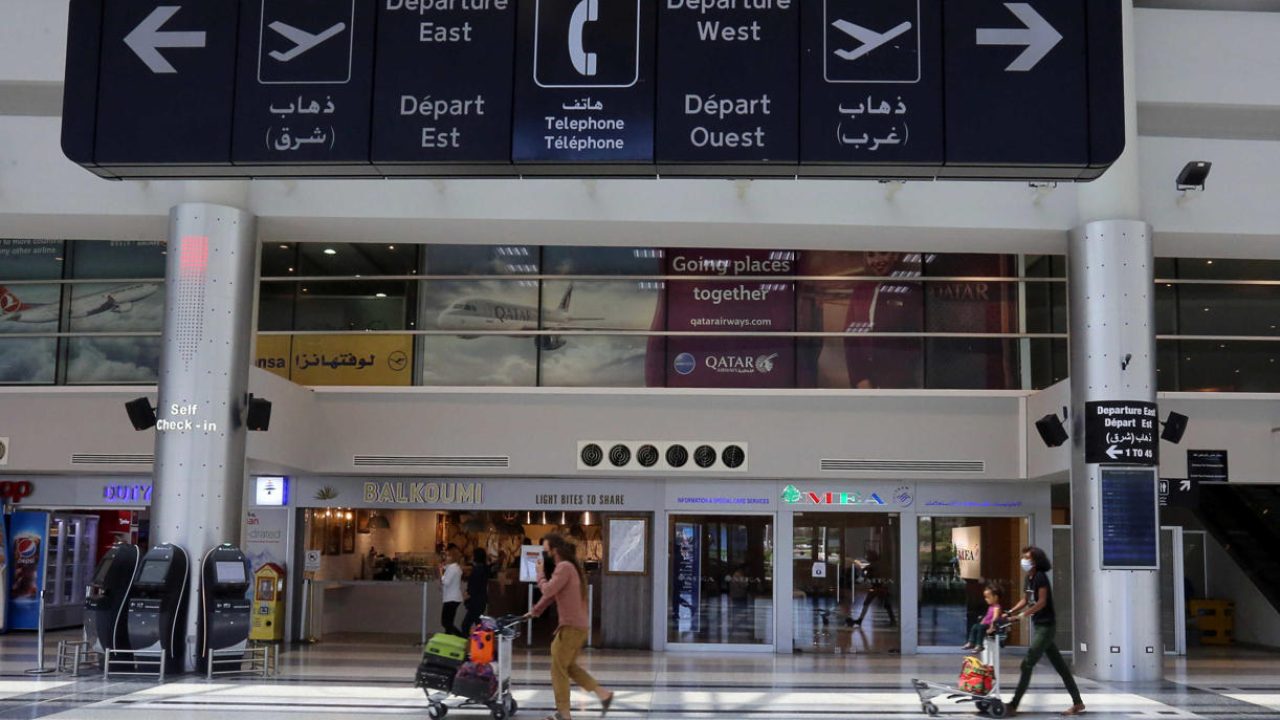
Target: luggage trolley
501 705
990 704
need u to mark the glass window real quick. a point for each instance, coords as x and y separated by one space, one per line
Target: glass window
892 303
119 304
971 306
601 306
721 580
490 304
29 309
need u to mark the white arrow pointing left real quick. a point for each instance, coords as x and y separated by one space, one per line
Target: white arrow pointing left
1036 35
146 39
1113 452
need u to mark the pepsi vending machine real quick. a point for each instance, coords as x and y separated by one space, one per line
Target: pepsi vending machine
28 543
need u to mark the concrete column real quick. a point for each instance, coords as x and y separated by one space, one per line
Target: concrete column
1111 289
204 379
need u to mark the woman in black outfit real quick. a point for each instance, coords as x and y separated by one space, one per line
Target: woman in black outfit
477 589
1037 603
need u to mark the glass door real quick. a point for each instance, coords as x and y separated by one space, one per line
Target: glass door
721 580
961 557
847 573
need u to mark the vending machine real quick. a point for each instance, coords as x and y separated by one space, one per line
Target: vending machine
268 603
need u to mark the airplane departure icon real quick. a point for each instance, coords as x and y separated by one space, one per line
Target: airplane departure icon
870 39
302 40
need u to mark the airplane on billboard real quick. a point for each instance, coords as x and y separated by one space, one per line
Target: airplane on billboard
486 314
119 299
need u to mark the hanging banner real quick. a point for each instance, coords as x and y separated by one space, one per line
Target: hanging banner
29 532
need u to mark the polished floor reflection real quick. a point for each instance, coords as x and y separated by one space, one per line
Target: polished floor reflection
371 679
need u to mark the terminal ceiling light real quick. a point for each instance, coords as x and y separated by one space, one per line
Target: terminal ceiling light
380 295
330 251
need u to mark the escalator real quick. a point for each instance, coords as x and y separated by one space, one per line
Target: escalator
1245 519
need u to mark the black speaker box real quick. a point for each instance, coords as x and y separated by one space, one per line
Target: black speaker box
258 418
1051 430
141 414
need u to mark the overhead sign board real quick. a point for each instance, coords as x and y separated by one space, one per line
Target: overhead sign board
304 85
734 88
872 87
584 83
443 120
727 92
1122 432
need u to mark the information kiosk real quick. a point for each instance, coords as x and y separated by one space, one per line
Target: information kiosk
104 616
157 607
224 602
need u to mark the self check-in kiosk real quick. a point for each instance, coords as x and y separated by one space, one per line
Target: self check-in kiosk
157 607
224 602
104 616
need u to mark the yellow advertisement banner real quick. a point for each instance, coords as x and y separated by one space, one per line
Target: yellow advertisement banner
339 359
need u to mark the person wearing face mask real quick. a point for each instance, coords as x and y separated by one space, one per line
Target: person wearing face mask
1037 603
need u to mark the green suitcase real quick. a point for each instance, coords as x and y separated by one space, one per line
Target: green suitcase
449 647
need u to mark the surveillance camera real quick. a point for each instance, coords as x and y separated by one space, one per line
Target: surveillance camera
1193 176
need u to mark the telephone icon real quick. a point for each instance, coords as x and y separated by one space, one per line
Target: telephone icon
587 11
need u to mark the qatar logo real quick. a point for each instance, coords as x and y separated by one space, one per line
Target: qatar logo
764 363
9 302
686 363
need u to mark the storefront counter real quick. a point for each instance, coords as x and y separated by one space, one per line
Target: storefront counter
374 607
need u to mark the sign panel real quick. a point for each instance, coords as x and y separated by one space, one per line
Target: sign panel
1207 465
968 545
1130 520
165 83
872 85
1180 493
424 118
529 557
727 83
28 551
1122 432
1017 84
304 83
584 82
688 577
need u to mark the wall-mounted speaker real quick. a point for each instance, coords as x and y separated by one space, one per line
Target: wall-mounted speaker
1051 431
1174 428
258 418
141 414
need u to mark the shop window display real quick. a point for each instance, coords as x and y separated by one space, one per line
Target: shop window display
959 558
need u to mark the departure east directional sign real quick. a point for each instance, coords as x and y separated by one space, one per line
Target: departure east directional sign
1025 89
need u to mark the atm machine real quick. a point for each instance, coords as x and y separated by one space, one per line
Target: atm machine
225 616
157 607
104 616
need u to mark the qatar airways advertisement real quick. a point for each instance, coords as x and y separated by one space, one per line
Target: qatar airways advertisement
720 296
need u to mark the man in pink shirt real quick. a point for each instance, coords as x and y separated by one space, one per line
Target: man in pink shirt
567 589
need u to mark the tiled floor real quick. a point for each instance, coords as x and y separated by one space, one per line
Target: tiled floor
337 681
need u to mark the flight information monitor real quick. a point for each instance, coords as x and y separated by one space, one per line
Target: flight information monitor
1130 522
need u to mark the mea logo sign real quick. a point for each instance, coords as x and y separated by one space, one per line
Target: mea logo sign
586 43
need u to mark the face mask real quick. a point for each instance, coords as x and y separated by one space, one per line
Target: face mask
1026 565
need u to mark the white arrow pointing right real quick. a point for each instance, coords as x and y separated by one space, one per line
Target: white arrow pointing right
1113 452
1037 35
146 39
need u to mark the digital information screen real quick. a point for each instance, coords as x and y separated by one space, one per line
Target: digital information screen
153 572
1130 523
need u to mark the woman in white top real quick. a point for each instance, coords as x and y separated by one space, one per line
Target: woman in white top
451 585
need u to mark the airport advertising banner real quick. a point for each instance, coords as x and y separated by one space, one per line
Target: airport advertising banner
29 309
352 360
28 549
721 306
